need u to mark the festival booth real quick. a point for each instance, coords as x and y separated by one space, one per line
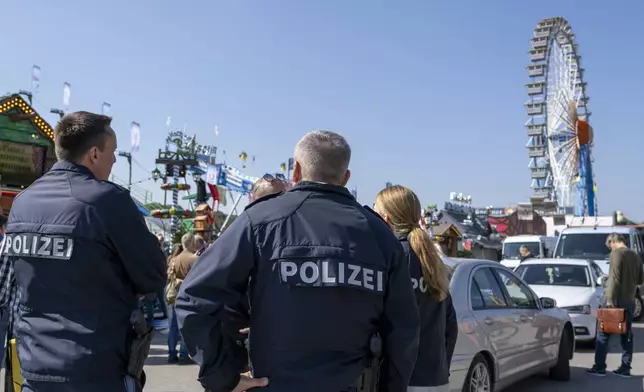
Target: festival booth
26 148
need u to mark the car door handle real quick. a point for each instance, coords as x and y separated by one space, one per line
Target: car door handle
488 321
523 318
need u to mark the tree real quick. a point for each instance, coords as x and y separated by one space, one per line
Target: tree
181 230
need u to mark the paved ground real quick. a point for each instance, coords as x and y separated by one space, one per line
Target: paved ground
177 378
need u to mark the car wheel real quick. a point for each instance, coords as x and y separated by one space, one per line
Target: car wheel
479 378
561 371
637 309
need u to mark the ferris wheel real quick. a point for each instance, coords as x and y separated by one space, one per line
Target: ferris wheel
560 140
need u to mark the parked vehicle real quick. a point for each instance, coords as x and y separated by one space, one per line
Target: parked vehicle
576 285
506 332
540 246
589 243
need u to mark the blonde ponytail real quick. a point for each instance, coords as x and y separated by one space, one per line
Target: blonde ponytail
434 272
400 208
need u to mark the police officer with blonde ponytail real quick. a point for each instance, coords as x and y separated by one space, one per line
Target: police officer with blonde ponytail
400 208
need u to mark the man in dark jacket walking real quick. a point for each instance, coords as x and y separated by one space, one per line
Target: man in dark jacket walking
624 275
82 255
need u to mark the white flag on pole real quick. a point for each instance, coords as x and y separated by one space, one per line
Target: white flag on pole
135 133
216 130
167 122
211 175
105 109
66 94
35 79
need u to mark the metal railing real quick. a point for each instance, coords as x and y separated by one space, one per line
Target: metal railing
141 195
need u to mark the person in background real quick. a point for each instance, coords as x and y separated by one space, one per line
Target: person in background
525 254
200 245
400 208
149 302
174 338
236 318
267 185
624 275
183 262
162 244
180 267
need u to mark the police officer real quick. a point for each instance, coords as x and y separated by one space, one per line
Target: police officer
82 255
326 275
400 208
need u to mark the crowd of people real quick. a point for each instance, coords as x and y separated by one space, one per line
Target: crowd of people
306 291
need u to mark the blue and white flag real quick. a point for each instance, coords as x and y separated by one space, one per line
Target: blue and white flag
211 174
234 179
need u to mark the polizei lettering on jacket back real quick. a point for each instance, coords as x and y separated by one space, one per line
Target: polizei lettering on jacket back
331 273
39 245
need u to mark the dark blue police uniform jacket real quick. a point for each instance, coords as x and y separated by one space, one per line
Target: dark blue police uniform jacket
81 253
438 329
326 275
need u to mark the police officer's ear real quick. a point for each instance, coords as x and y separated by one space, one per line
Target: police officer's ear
347 175
297 172
93 154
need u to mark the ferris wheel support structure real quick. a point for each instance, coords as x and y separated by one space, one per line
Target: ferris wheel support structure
560 139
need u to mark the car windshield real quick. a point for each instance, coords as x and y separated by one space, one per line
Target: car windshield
554 274
584 246
511 249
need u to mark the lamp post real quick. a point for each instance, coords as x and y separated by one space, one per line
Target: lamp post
156 174
128 156
58 112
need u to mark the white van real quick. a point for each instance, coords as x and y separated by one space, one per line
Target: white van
540 246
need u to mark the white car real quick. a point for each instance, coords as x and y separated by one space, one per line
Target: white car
506 332
576 285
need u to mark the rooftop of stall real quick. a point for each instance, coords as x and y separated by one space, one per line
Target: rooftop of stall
26 149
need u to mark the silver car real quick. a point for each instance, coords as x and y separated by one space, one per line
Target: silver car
506 332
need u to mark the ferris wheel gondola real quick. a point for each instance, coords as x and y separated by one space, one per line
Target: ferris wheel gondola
560 139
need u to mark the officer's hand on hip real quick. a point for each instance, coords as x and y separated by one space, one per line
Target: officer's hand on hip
246 383
244 331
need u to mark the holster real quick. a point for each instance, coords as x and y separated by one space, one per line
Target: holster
140 347
370 377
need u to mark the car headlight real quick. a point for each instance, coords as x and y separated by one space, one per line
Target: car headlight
581 309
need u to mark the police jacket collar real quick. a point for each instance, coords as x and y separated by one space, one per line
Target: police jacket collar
71 166
312 186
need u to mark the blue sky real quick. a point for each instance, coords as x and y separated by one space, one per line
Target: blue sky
428 93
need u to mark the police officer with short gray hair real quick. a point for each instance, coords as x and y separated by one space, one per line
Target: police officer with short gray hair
326 276
81 254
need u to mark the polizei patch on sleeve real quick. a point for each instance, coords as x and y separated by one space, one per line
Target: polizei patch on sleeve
331 273
39 245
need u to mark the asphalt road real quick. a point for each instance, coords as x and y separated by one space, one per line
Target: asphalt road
163 377
176 378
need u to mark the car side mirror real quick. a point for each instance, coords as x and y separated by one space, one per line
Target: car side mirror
548 303
601 281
